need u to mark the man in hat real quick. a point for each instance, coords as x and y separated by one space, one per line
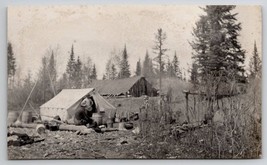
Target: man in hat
84 113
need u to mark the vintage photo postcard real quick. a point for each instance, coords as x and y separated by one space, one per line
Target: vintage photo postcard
134 82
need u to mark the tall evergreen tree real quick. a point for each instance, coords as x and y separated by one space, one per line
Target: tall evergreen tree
94 74
138 68
113 73
176 66
170 69
11 65
216 48
124 65
70 70
86 72
52 72
108 69
78 74
147 69
45 84
194 74
160 51
255 62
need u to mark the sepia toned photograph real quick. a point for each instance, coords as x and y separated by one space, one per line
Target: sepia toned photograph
134 82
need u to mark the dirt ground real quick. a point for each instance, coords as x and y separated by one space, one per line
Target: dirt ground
118 145
68 145
108 145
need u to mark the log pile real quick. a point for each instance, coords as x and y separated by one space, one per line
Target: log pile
179 130
20 139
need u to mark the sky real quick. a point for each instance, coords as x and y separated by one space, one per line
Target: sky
96 30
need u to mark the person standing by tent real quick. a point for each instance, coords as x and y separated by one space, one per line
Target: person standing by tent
85 111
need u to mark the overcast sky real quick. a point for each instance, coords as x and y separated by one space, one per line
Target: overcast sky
97 30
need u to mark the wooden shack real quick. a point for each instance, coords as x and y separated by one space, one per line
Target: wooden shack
134 86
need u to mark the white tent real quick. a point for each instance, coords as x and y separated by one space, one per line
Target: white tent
67 101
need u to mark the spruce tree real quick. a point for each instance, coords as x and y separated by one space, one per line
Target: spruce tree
124 65
78 74
216 49
94 74
113 73
52 72
255 63
86 72
11 65
138 68
170 69
194 74
147 69
46 93
176 66
70 70
160 51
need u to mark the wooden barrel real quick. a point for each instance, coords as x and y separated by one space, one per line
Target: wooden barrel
97 118
12 117
26 117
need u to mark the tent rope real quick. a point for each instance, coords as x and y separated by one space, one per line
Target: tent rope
27 100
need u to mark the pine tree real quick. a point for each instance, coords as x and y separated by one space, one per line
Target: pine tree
138 68
194 74
11 65
52 72
176 66
70 70
94 74
86 72
45 87
170 69
160 51
216 49
108 69
78 74
255 63
113 73
113 65
147 69
124 65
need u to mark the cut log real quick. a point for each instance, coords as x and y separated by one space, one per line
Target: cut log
62 127
109 129
23 125
65 127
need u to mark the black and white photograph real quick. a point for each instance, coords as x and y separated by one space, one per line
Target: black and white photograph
134 82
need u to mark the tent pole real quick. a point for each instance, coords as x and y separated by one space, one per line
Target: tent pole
27 100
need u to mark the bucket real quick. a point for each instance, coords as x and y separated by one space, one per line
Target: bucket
97 118
12 117
121 126
26 117
40 129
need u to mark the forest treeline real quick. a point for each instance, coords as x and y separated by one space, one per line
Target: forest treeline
218 58
80 74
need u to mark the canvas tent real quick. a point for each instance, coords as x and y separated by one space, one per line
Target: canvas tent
67 101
